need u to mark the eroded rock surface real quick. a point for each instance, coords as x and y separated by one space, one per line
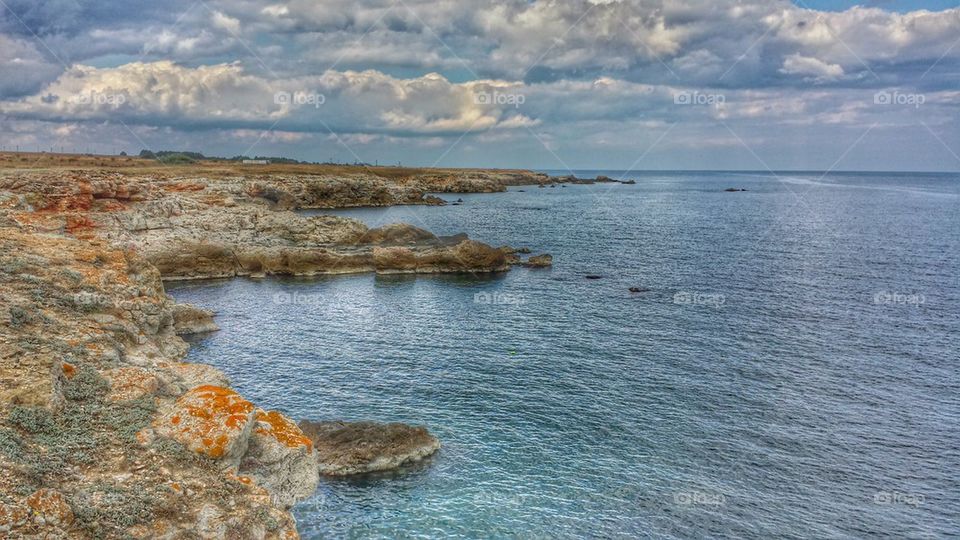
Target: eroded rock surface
345 448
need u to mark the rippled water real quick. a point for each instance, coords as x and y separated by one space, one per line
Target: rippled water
804 383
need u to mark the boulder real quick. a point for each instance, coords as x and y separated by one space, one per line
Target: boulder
281 459
210 420
345 448
189 319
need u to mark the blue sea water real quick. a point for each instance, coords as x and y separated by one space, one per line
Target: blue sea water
793 370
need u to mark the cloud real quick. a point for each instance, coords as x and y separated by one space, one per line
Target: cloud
818 70
225 96
592 75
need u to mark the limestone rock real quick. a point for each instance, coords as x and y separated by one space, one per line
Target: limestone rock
345 448
190 319
210 420
130 382
281 459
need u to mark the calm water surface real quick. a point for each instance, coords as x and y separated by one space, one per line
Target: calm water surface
792 372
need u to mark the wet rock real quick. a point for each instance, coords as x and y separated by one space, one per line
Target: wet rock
638 290
593 276
734 190
539 261
345 448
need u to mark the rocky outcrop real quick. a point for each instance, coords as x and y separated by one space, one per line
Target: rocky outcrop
104 431
90 382
345 448
189 319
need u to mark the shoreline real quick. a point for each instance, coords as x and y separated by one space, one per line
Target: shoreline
90 334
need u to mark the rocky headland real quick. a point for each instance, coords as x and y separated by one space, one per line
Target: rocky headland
104 430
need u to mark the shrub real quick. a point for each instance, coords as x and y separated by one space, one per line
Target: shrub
129 417
86 385
11 445
19 317
35 420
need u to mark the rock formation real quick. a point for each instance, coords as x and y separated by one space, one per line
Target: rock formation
539 261
345 448
188 319
104 431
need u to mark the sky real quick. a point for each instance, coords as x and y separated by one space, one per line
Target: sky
543 84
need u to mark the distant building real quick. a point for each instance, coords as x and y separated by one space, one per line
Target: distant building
256 161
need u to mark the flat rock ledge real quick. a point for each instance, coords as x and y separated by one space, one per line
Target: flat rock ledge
346 448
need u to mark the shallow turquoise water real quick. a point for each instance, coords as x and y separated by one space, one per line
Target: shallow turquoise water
804 383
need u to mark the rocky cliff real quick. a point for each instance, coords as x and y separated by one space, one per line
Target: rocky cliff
104 431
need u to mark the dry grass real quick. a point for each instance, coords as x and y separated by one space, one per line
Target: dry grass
11 161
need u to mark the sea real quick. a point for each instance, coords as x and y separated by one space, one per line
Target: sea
789 369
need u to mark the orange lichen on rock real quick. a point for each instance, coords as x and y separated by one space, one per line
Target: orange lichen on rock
69 370
49 507
285 431
210 420
127 383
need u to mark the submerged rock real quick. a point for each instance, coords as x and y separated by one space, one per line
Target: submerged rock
345 448
734 190
638 290
539 261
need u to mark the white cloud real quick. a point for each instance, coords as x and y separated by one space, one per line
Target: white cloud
226 22
224 95
819 70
